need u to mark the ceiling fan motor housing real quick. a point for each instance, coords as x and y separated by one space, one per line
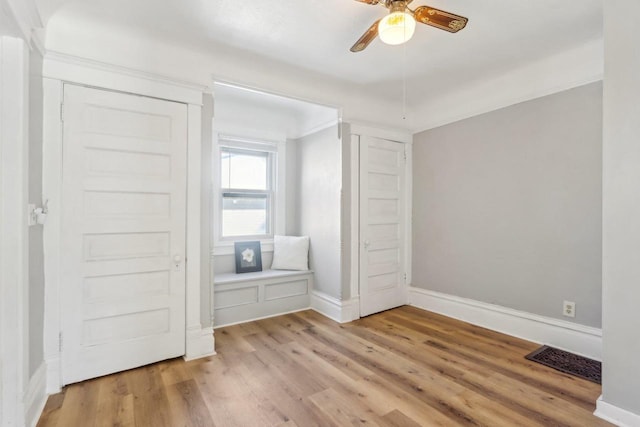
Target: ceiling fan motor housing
396 5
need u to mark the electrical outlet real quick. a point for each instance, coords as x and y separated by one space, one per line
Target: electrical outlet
569 308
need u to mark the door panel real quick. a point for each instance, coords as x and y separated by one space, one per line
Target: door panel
124 217
382 213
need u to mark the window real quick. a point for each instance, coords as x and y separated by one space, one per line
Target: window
245 178
247 196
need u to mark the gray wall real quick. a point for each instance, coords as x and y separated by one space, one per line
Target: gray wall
621 220
36 251
507 206
320 180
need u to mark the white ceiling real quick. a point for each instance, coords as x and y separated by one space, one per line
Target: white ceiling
315 35
251 114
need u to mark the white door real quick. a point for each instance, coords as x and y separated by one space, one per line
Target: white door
123 232
382 225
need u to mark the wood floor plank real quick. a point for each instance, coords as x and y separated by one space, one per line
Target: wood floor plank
403 367
511 363
187 405
115 403
51 411
396 418
150 403
342 412
80 404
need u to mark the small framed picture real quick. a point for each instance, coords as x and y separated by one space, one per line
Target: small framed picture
248 257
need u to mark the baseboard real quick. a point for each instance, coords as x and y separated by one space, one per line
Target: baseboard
253 319
54 377
35 396
200 343
351 309
335 309
579 339
613 414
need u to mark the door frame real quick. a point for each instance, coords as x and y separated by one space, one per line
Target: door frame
59 70
14 255
400 136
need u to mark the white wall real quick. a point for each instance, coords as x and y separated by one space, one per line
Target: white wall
319 208
621 210
507 206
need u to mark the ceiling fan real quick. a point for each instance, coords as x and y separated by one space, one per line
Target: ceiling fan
398 26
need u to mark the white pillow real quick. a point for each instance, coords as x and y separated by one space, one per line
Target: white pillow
290 253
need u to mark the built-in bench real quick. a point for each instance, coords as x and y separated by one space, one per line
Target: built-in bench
250 296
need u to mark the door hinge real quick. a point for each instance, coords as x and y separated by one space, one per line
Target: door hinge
60 342
405 155
62 112
405 278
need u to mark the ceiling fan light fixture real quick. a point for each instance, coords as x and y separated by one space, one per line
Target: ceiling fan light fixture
397 27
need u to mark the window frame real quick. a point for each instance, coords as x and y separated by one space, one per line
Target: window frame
276 193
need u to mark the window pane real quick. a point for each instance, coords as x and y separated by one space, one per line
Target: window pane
244 215
244 169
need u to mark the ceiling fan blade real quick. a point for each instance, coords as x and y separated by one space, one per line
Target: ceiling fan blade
440 19
369 1
366 38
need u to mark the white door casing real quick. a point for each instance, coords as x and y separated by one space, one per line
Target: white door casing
123 231
14 241
382 225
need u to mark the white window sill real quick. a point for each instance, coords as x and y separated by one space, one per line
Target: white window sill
227 248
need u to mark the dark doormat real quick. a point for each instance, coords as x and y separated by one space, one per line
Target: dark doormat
568 363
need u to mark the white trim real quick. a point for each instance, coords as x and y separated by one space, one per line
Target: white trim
354 274
335 309
52 191
568 336
232 141
83 71
408 216
401 296
613 414
14 255
200 343
261 318
266 274
219 80
243 297
227 247
280 205
36 396
317 128
556 73
396 135
279 190
350 309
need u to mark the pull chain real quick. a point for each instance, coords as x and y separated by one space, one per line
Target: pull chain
404 77
404 82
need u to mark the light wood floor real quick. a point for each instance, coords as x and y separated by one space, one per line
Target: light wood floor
403 367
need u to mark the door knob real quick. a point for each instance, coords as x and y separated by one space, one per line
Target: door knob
177 260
